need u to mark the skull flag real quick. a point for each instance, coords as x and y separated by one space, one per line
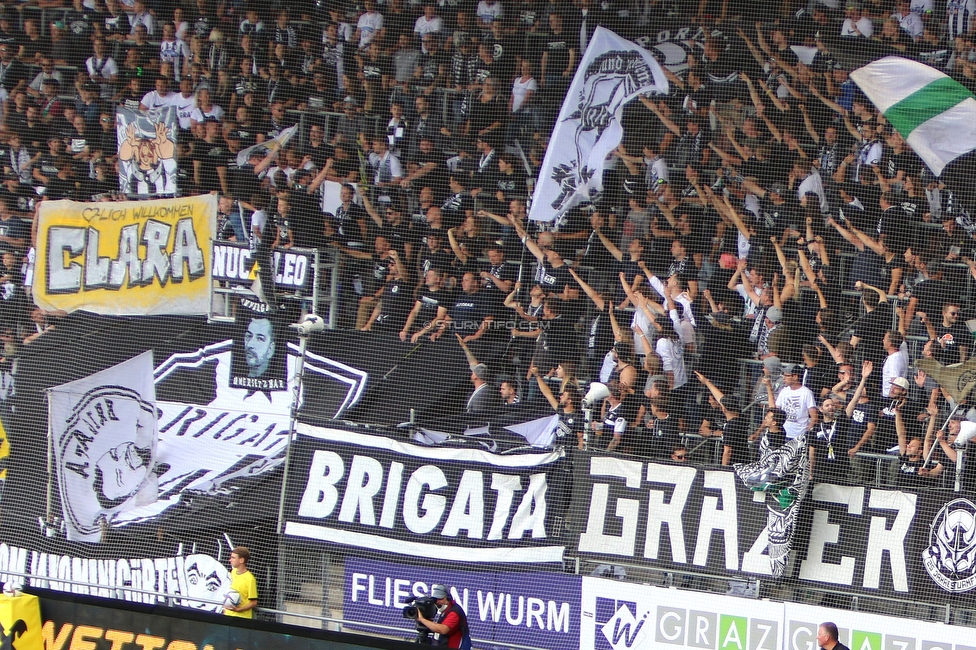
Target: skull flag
613 72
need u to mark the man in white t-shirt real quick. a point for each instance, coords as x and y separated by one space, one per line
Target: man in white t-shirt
185 103
798 402
159 97
102 68
369 25
910 21
429 21
855 23
896 363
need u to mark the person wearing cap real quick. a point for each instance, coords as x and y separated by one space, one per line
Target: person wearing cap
482 398
886 435
856 24
895 364
773 335
796 400
450 625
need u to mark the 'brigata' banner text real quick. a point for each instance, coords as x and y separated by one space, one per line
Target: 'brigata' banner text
125 259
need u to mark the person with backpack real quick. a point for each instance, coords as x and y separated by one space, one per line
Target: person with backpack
450 625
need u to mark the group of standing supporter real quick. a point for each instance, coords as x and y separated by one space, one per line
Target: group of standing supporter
769 257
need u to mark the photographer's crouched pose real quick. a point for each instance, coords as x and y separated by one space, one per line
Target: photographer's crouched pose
450 624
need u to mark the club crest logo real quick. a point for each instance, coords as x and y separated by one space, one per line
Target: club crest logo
950 557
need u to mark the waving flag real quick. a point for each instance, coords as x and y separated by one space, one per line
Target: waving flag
262 149
613 72
933 112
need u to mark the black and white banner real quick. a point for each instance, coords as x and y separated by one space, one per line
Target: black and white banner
856 538
671 516
147 150
104 433
455 504
234 262
613 72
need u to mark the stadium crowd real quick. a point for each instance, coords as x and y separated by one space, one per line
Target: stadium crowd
769 257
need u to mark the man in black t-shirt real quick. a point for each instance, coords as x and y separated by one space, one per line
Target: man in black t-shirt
210 160
432 253
949 338
497 278
433 300
735 434
470 316
828 442
558 55
432 65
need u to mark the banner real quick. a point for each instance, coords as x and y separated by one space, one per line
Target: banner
147 150
613 71
630 616
454 504
258 357
294 270
674 516
84 624
20 618
104 433
866 631
858 539
125 259
534 609
194 574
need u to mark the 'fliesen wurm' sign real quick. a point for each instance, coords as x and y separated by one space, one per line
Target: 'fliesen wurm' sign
536 609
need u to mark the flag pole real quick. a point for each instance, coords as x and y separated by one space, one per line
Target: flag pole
932 448
49 502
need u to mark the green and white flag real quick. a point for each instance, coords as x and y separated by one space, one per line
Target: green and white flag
933 112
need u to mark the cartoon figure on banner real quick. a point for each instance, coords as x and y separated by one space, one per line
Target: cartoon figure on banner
147 163
106 457
206 579
259 361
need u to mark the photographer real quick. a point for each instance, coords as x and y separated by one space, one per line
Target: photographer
450 624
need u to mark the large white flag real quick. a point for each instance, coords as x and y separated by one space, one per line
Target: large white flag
261 150
104 430
933 112
613 72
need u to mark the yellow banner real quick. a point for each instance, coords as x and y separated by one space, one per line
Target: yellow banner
125 259
20 620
